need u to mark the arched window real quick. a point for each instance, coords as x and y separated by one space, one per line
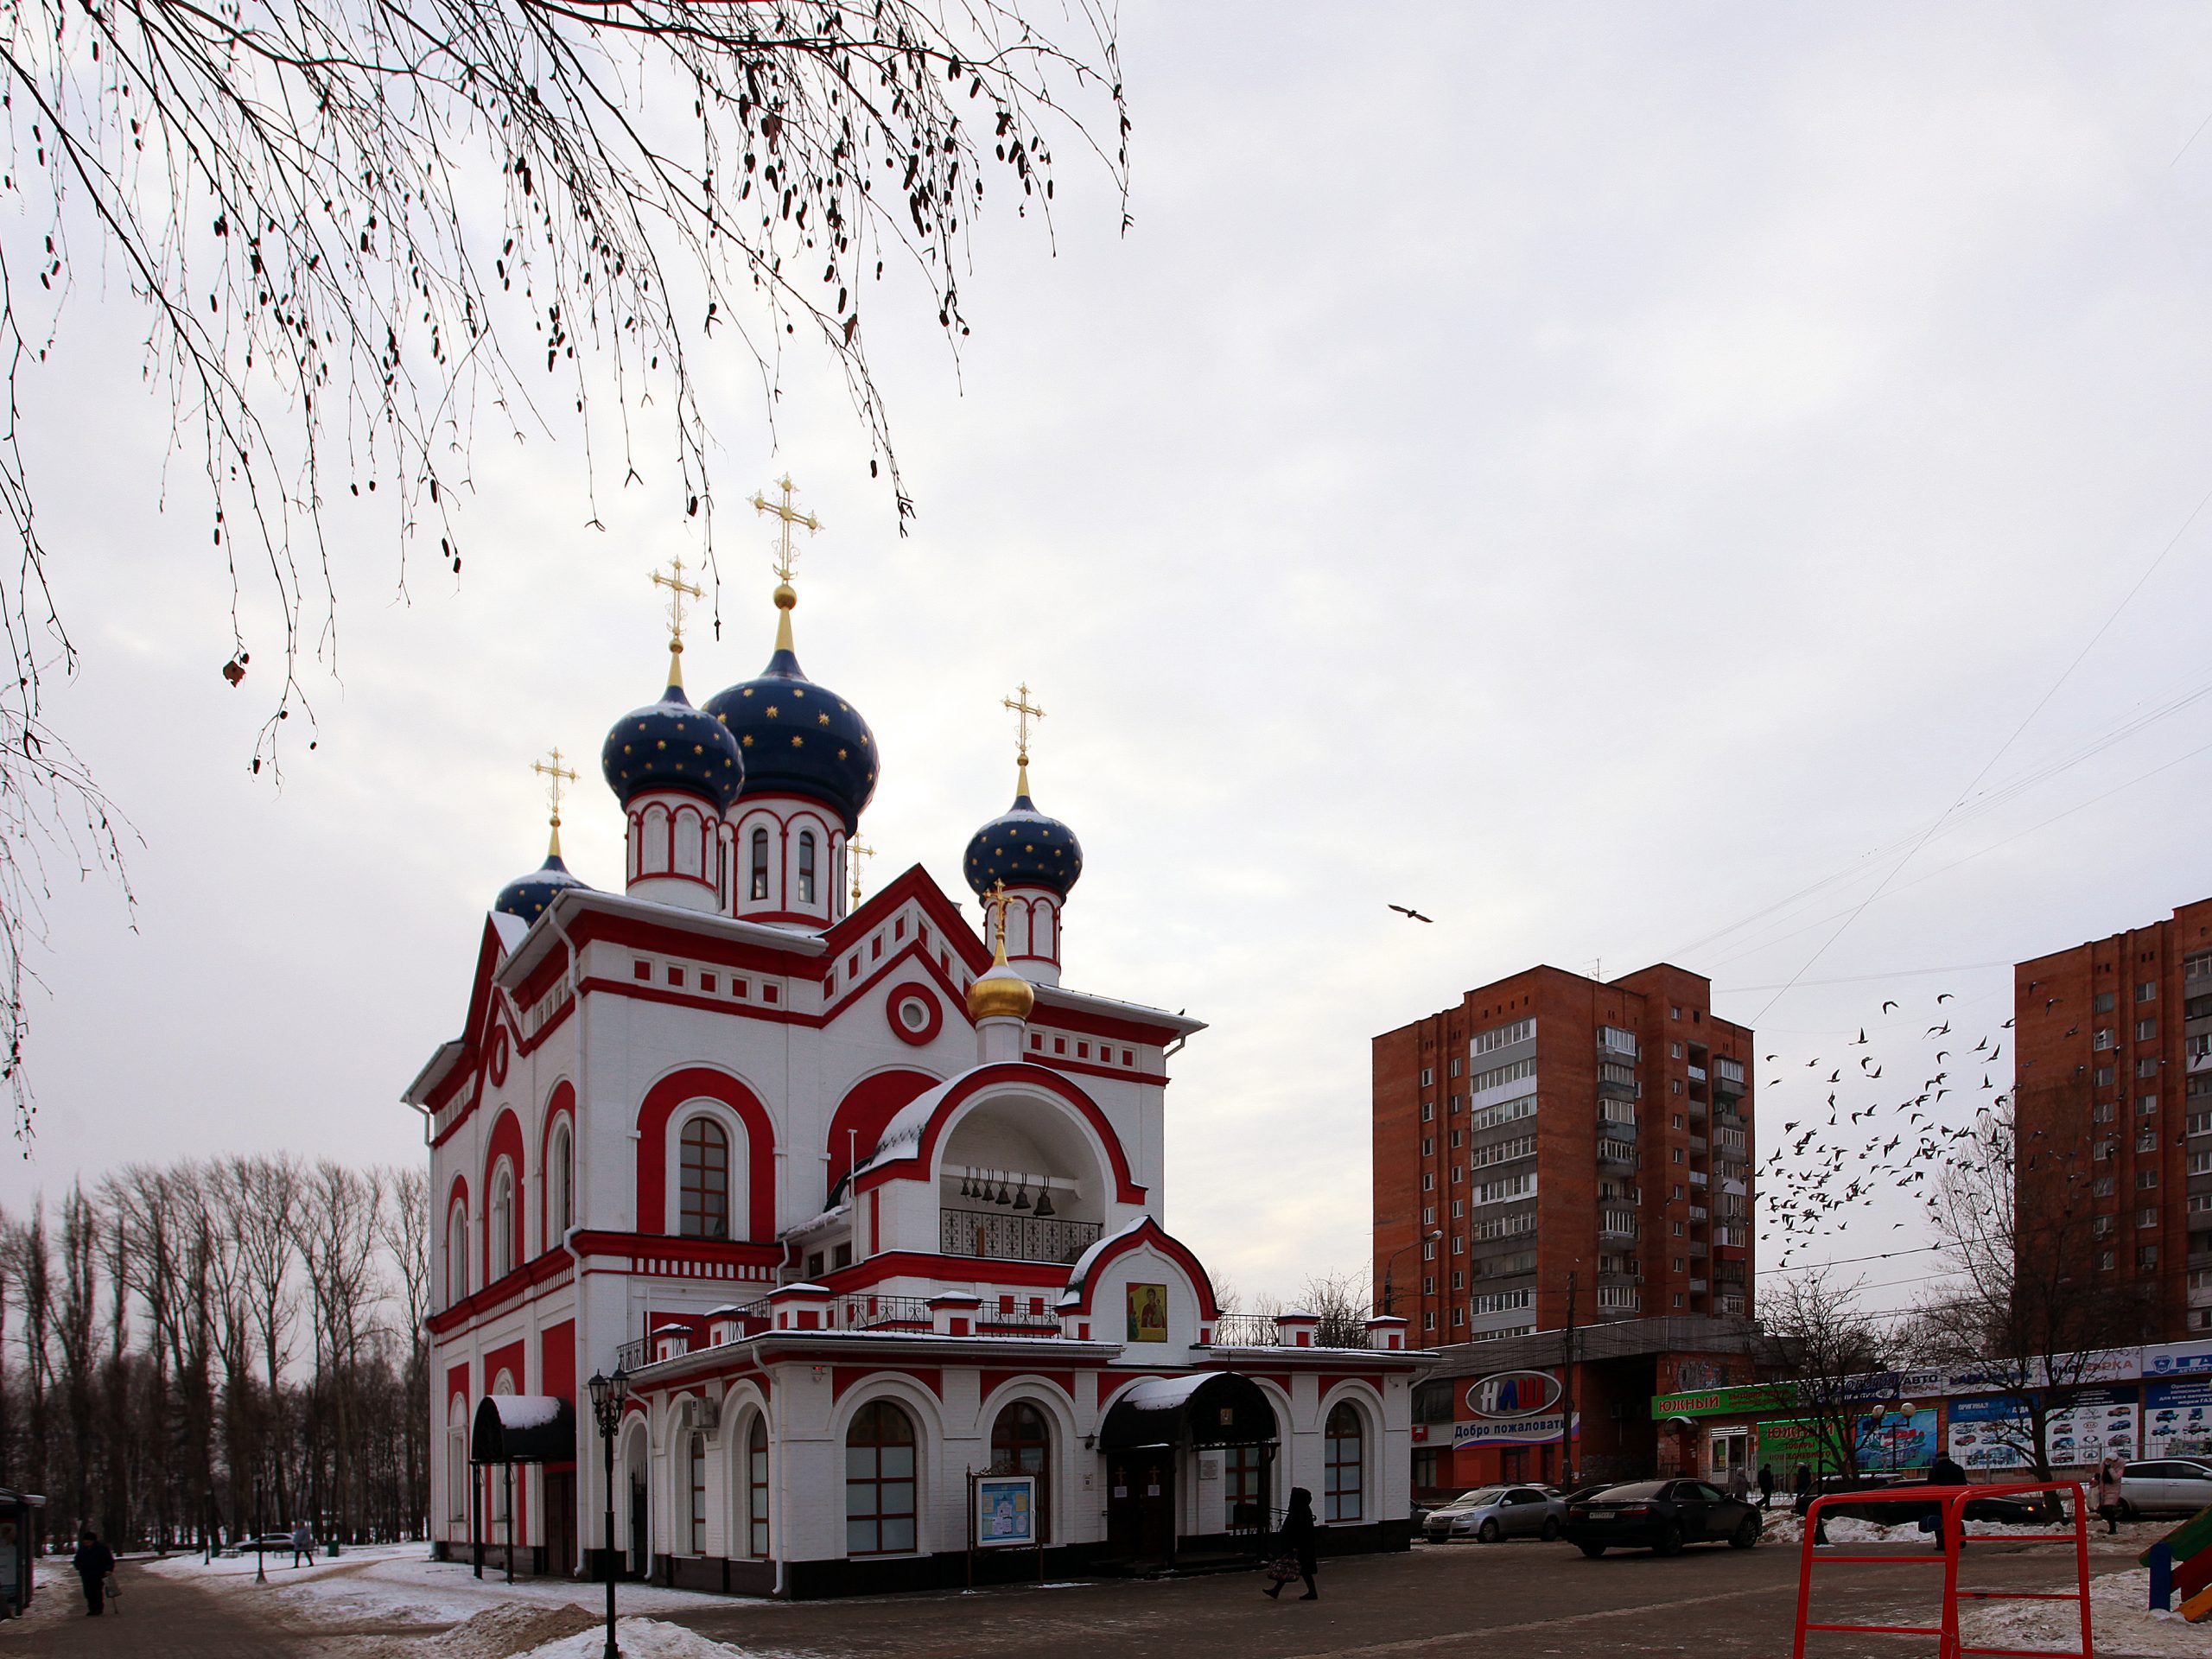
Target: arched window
501 1260
1342 1483
756 1489
760 886
806 866
879 1481
457 1468
698 1532
457 1252
706 1180
1021 1444
560 1184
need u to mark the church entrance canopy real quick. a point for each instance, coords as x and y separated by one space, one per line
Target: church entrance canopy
1205 1408
523 1428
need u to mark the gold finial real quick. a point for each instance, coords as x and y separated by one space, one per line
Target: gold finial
555 774
999 993
854 852
678 591
1024 712
785 595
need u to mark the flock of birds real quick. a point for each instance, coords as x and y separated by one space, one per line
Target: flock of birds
1829 1161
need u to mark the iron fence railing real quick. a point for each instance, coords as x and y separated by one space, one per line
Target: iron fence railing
1014 1237
1247 1330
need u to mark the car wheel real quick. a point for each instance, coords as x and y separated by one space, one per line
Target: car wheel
1746 1533
1670 1540
1488 1533
1551 1528
1593 1551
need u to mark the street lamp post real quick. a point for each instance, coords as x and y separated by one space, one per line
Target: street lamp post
608 1394
1390 1263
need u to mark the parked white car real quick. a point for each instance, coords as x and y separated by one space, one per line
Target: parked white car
2171 1486
1490 1513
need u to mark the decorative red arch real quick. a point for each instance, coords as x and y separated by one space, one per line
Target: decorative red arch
704 1083
1085 1283
1004 1072
871 1103
506 1142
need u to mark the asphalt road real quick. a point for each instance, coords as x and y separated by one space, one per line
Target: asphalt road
1501 1599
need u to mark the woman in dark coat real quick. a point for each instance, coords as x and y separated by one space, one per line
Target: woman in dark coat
1295 1538
93 1562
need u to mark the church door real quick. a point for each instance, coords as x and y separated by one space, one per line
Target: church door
1140 1503
560 1522
640 1563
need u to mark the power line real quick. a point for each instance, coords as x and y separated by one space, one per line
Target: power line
1868 979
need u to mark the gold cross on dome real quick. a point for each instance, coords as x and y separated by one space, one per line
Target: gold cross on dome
678 591
854 852
995 907
790 514
555 774
1024 712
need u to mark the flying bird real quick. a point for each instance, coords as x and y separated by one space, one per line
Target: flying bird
1412 915
1886 1006
1944 997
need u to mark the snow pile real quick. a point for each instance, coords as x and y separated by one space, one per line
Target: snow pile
503 1632
2119 1614
640 1639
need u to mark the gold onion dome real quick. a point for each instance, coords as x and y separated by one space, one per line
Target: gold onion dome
999 992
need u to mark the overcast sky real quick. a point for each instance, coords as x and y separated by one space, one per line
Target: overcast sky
1592 473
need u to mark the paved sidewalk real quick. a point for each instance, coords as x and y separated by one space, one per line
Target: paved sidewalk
157 1617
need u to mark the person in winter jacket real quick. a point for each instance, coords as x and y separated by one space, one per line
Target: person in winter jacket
93 1561
1295 1538
1766 1485
2109 1504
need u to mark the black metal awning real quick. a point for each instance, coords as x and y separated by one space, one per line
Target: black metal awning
523 1428
1202 1408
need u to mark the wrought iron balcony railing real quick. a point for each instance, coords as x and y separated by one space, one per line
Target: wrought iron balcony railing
1013 1237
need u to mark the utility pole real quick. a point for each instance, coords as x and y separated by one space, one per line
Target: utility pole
1566 1414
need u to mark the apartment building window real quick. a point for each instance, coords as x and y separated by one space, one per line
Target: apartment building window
2102 1112
1428 1249
1459 1247
1428 1321
2105 1076
1678 1155
2200 1163
1458 1103
1673 1013
2147 1256
2102 1149
2103 1040
1428 1146
1459 1277
1679 1229
2103 1003
2146 1105
2102 1226
1504 1301
1428 1215
1506 1112
1459 1208
1456 1064
1675 1049
1428 1077
2102 1186
1458 1173
1503 1036
1678 1190
2146 1031
2200 1122
1678 1299
1459 1139
1682 1264
2147 991
2107 1260
1428 1284
2146 1179
1458 1316
1429 1111
1498 1075
1674 1085
2147 1216
1677 1120
2147 1140
1428 1180
2147 1066
1616 1111
1619 1041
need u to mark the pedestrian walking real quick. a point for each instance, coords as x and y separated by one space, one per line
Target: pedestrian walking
93 1561
1766 1485
1294 1543
1739 1483
2109 1505
1945 1472
1801 1487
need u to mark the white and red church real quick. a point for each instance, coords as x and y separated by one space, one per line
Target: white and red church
859 1211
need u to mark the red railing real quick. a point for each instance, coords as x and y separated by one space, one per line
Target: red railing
1950 1505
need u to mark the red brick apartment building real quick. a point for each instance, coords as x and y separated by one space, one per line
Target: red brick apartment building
2114 1042
1553 1126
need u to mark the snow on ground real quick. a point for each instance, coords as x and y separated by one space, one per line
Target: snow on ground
2132 1539
400 1585
2121 1619
640 1639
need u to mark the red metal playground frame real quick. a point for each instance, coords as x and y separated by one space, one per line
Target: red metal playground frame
1951 1502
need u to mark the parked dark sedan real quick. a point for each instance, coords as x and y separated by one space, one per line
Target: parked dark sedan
1660 1515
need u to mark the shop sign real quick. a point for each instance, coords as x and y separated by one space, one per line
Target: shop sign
2100 1424
1988 1433
1512 1394
1512 1431
1896 1440
1748 1401
2178 1359
2178 1417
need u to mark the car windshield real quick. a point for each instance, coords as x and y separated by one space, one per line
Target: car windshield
1480 1495
1640 1488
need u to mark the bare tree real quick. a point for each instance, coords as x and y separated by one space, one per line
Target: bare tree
404 1225
339 1223
1825 1346
352 223
2019 1309
266 1195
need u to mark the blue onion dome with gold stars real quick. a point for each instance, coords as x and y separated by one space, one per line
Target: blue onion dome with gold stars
799 738
527 896
671 745
1023 847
